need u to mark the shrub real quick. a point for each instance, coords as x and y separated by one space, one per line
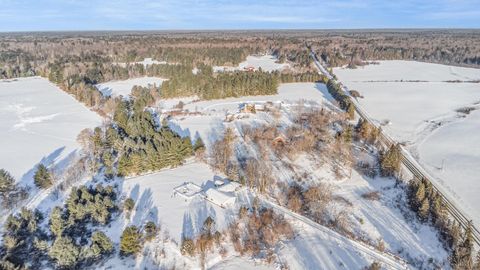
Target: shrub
129 205
150 230
372 195
187 246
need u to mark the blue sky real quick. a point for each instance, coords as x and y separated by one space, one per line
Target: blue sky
35 15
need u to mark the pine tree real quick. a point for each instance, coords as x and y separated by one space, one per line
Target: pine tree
64 252
351 111
199 145
390 161
7 182
42 177
128 206
476 266
419 195
57 224
462 254
130 241
101 245
424 210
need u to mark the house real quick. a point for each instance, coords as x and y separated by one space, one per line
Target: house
220 198
249 68
229 187
248 108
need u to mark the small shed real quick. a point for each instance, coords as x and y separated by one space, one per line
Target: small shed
259 107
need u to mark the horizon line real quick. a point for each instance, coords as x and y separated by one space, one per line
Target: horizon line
239 29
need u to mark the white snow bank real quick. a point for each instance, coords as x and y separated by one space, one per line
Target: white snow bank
124 88
38 123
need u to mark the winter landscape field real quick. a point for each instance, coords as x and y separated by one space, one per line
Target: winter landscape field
219 149
40 124
422 105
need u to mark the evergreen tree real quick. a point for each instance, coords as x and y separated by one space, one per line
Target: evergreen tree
419 195
7 182
128 206
351 111
462 254
390 161
101 245
476 266
64 252
57 224
42 177
150 230
364 129
130 241
199 145
424 210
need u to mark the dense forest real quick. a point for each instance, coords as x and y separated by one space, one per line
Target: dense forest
450 47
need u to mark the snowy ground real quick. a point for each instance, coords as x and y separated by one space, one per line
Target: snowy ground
210 121
424 115
314 247
266 62
39 123
156 201
124 88
146 62
407 71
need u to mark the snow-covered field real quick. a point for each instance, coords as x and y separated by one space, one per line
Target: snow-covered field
39 123
424 115
266 62
407 71
124 88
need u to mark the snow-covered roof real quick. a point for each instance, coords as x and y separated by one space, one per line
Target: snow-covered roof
219 183
219 197
229 187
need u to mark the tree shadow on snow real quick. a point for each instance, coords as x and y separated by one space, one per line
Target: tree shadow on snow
27 178
144 209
